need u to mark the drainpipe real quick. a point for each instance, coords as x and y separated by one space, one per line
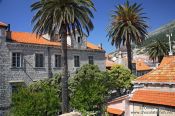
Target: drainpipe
49 63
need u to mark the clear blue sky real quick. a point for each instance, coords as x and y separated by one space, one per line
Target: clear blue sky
18 14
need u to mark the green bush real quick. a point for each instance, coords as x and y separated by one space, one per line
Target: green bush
39 99
89 88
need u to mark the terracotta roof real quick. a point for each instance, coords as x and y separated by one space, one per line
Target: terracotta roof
141 66
3 24
167 60
109 63
108 55
93 46
154 97
114 111
31 38
164 73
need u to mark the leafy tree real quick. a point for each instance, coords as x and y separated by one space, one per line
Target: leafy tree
127 26
62 17
89 89
39 99
157 49
121 78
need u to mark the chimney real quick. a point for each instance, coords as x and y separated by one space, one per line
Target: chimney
101 46
8 35
8 28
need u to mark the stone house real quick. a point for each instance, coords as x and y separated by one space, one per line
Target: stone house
153 94
26 57
140 67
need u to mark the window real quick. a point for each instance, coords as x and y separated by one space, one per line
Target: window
91 59
16 60
57 60
79 39
39 60
0 32
76 61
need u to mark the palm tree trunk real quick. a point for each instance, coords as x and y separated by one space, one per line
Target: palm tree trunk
128 47
64 79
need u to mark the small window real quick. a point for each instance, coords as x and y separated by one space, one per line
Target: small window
91 59
76 61
39 60
79 39
57 60
0 32
16 60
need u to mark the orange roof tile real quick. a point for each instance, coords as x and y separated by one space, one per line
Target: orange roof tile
31 38
114 111
93 46
154 97
164 73
3 24
109 63
167 60
141 66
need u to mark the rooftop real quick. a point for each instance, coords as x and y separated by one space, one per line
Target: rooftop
165 73
32 38
154 97
109 63
142 66
115 111
3 24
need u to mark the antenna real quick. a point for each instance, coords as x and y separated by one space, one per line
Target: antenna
169 36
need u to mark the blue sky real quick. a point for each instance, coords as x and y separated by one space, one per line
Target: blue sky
18 14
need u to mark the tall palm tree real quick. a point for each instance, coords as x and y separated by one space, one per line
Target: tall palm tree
157 49
62 17
127 26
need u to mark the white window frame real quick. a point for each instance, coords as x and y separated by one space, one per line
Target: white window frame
55 60
43 60
75 61
16 62
92 59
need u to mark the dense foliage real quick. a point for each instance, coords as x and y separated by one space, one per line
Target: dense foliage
39 99
157 49
128 25
121 79
89 88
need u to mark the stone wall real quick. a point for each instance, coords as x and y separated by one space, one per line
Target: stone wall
29 73
137 109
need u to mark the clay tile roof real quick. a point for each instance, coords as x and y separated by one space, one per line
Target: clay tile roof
3 24
167 60
114 111
165 73
141 66
31 38
93 46
154 97
109 63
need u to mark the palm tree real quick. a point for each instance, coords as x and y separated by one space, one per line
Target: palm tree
127 26
62 17
157 49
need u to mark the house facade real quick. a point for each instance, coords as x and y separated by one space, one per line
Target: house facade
153 94
26 58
